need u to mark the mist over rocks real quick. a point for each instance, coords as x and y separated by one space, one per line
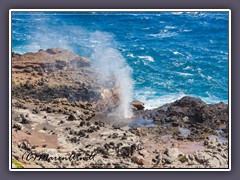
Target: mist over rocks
113 70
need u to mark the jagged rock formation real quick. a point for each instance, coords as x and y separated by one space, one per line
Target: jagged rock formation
58 73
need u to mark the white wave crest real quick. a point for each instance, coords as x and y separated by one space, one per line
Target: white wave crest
149 58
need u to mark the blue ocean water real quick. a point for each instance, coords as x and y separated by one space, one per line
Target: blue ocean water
172 54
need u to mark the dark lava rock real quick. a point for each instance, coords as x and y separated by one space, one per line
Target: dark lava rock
175 124
91 129
102 151
20 105
49 110
114 135
190 110
171 119
71 117
81 133
18 126
82 124
74 140
188 101
61 122
36 110
138 105
107 146
25 120
119 166
25 145
116 126
125 151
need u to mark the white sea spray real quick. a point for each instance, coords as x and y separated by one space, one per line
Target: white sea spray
110 64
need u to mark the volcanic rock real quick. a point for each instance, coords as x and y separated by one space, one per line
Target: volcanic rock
18 126
60 74
71 117
137 105
190 110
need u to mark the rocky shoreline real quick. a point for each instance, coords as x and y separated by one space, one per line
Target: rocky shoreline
59 120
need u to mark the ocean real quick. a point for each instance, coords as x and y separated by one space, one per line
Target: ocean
171 54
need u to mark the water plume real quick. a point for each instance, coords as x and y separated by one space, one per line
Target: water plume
112 66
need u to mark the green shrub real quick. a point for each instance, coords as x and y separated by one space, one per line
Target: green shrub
17 164
182 158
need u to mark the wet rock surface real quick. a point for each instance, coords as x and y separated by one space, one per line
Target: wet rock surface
59 110
194 115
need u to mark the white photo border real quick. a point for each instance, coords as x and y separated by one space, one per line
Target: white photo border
119 10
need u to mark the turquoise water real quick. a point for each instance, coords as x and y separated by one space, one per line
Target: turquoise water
172 54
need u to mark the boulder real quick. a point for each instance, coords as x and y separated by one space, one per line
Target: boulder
202 157
71 117
138 160
173 153
185 119
18 126
191 110
138 105
25 120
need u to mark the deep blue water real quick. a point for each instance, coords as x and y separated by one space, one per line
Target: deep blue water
172 54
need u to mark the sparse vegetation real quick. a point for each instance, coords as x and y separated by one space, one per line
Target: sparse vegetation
17 164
